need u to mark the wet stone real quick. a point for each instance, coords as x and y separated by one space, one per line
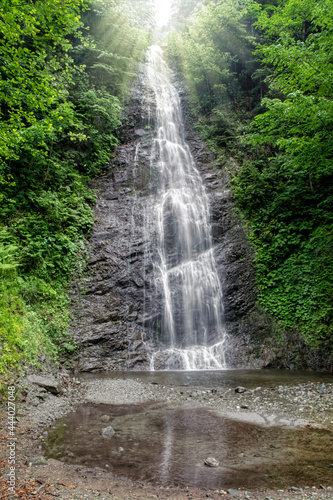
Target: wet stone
211 462
105 418
234 493
37 461
108 431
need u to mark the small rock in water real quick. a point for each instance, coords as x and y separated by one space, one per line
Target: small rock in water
105 418
211 462
240 390
108 431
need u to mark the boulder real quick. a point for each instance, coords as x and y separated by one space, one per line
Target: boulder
49 383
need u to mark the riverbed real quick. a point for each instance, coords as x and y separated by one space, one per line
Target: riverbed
274 433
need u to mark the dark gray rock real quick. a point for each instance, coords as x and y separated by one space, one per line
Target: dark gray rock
117 309
51 384
240 390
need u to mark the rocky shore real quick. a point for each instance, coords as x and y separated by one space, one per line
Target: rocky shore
303 407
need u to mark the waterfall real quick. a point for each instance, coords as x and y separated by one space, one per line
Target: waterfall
191 331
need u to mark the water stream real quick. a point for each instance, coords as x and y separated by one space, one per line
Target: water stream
191 332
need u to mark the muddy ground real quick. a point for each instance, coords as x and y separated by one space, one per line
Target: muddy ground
302 411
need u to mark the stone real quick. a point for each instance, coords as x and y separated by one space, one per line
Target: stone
108 431
211 462
234 493
240 390
105 418
36 461
49 383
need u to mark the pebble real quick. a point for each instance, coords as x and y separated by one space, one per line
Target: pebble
108 431
233 492
240 390
211 462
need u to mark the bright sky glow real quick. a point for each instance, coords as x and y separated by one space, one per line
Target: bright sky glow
163 12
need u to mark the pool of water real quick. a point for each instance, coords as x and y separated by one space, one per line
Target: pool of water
220 378
168 444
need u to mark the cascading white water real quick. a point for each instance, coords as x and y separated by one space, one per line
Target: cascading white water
191 330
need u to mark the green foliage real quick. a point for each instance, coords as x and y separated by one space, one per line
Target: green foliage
214 53
287 198
208 50
275 117
292 234
122 33
21 335
59 116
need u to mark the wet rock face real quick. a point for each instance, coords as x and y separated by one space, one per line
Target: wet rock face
246 325
117 310
110 313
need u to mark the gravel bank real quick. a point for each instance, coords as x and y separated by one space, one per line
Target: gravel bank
117 391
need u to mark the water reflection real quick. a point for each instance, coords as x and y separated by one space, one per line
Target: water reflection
169 446
167 451
221 378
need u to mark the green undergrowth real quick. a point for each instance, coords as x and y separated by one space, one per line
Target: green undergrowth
65 73
290 229
260 95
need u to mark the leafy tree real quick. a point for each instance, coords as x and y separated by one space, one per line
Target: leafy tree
58 126
274 115
286 194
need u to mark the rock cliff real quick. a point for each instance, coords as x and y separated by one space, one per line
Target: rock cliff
118 312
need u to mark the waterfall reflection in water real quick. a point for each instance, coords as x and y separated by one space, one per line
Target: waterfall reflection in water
168 446
185 275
